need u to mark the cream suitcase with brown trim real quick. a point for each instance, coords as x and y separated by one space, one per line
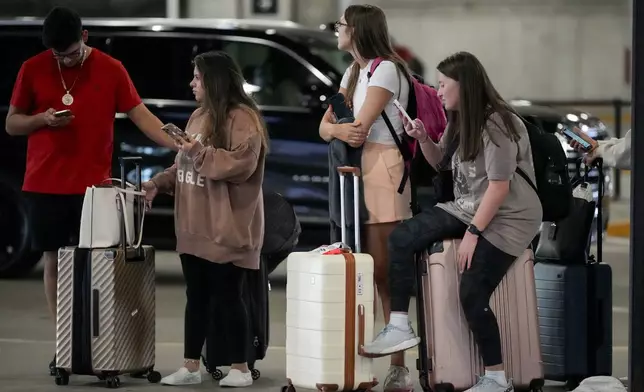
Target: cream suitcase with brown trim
329 316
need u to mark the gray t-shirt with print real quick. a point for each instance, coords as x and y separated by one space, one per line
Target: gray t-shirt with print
518 219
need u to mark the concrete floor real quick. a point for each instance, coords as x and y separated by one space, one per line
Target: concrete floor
27 335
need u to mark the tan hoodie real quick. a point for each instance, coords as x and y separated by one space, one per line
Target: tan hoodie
219 209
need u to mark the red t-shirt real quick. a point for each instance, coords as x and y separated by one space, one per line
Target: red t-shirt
67 160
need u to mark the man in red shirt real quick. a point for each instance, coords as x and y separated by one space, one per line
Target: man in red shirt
67 153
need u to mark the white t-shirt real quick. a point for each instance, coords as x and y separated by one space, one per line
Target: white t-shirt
388 77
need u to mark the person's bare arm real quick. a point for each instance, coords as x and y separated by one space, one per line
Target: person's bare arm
20 124
375 102
150 125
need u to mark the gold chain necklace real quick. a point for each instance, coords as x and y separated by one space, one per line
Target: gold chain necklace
68 99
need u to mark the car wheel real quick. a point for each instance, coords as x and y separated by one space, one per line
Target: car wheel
16 257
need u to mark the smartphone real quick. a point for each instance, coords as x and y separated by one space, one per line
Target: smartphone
340 109
63 113
572 135
402 110
173 130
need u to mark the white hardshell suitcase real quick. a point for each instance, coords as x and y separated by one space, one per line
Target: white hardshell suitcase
330 314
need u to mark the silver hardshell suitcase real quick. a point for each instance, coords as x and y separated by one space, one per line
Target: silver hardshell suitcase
105 324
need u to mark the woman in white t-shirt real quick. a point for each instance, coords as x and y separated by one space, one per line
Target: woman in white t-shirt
362 31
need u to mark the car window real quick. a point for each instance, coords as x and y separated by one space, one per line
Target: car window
160 66
274 77
17 49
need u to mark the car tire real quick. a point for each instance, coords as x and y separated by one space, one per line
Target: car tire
16 257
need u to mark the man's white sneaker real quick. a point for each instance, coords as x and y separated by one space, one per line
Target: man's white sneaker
236 379
182 377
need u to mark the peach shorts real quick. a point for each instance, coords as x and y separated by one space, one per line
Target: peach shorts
382 170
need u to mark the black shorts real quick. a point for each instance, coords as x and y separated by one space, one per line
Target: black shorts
54 220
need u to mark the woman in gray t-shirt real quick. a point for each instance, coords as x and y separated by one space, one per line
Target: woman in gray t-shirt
495 211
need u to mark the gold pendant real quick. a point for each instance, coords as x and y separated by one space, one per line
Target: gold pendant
68 99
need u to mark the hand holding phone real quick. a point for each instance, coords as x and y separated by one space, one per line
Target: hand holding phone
63 113
578 139
173 131
402 111
57 119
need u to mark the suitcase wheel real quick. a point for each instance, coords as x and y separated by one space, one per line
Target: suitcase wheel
112 382
573 383
424 382
217 375
255 374
288 387
62 378
154 377
445 387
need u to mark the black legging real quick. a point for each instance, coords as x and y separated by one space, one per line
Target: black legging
488 267
205 281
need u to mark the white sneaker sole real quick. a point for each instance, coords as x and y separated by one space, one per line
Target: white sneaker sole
242 385
179 384
402 346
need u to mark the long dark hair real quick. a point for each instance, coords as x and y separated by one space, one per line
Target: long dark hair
370 39
478 100
223 85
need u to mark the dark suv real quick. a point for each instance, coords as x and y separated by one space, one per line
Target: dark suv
290 70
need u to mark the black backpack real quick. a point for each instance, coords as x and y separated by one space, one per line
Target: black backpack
281 226
551 172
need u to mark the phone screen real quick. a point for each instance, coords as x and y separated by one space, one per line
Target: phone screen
572 135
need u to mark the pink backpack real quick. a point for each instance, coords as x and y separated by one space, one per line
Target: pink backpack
422 103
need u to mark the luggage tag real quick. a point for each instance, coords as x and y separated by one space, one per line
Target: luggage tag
333 249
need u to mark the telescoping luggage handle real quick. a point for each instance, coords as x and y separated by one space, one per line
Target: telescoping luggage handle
342 171
135 253
599 222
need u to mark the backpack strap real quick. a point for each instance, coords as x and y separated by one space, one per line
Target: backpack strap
406 154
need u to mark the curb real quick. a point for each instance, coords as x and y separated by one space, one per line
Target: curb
619 229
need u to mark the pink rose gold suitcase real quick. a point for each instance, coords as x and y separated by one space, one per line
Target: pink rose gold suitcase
448 356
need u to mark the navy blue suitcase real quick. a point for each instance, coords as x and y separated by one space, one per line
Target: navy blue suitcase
575 320
575 309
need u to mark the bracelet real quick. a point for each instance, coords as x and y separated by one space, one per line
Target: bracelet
424 140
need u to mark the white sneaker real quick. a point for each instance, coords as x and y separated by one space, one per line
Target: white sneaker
392 339
489 384
182 377
236 379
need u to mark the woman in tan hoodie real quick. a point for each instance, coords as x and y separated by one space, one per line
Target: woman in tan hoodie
219 218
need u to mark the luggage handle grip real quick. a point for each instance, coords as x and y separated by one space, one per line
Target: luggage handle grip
342 171
95 313
349 170
361 329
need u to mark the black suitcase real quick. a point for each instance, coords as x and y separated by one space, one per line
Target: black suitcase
256 293
575 320
575 309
